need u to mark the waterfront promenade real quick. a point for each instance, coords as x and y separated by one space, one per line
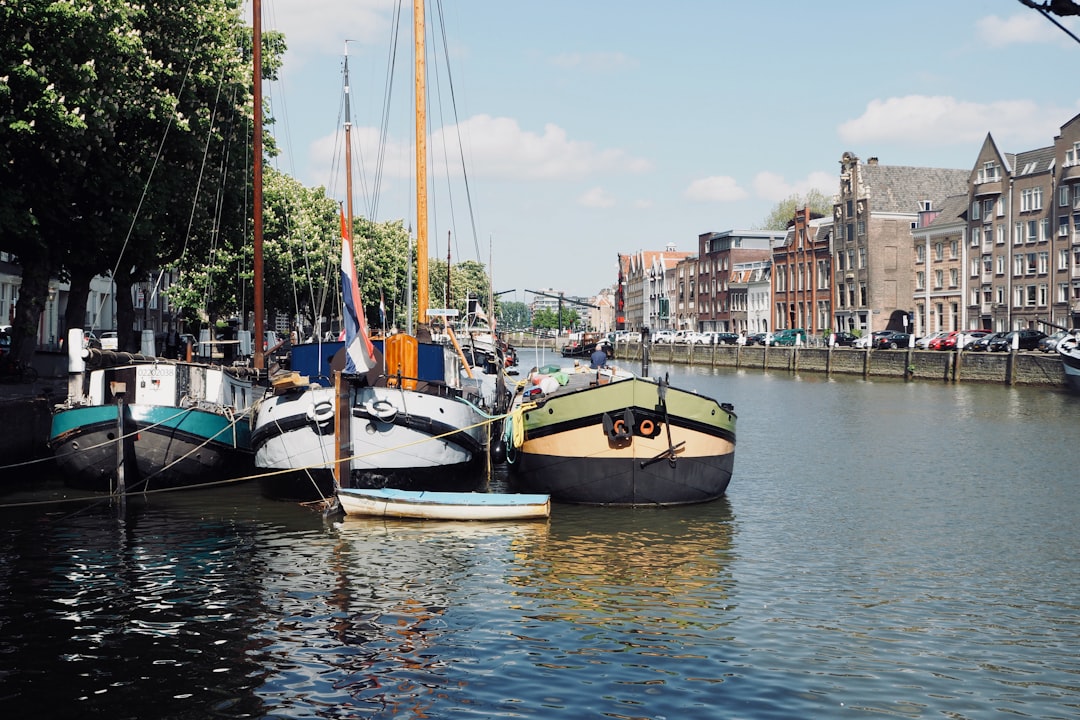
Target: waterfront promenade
1005 368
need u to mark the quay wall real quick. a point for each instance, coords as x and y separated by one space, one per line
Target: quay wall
1021 368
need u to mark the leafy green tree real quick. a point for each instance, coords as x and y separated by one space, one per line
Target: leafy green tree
466 278
513 314
784 211
110 113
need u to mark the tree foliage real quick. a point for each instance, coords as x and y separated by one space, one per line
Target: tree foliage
784 211
111 114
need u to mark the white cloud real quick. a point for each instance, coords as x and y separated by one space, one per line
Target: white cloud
494 148
773 187
1027 28
597 197
942 120
307 31
498 147
717 188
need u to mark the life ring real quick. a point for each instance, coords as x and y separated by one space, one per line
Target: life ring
321 412
619 427
646 427
382 409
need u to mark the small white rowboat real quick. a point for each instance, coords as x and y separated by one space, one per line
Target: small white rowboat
387 502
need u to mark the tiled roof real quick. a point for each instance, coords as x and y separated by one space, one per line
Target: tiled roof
1034 161
951 209
900 189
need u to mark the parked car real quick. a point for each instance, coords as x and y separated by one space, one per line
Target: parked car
790 336
715 337
923 343
663 337
870 340
890 340
964 339
1025 339
983 343
756 338
1049 343
109 341
5 342
844 339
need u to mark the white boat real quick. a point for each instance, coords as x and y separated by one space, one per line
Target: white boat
416 412
1068 349
388 502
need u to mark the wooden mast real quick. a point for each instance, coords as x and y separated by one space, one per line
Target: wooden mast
422 301
257 182
342 415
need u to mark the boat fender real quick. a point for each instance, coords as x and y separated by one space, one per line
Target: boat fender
382 409
646 428
498 451
321 412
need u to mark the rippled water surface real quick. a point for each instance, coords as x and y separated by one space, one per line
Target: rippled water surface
885 549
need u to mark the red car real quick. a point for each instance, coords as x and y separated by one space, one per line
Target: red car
938 343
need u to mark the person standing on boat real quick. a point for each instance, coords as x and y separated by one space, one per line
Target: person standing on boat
599 357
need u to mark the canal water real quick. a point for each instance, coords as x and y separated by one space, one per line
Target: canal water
885 549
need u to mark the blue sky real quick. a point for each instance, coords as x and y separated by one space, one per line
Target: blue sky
590 128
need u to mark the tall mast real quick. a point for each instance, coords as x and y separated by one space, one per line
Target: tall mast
422 303
348 152
257 182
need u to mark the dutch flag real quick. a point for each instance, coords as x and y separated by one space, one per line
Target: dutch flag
359 352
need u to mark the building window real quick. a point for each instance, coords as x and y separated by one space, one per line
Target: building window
1063 259
1001 207
1000 265
954 249
1044 229
1031 199
1044 262
1063 226
954 277
975 210
1063 292
920 253
939 252
840 260
1063 196
1033 231
920 280
850 231
938 279
1044 293
862 295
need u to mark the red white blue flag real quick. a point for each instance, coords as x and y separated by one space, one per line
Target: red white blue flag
359 352
382 310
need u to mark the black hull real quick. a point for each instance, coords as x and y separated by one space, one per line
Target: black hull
152 460
622 481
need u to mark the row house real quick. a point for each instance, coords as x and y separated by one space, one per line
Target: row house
940 257
718 254
877 208
750 296
1023 223
647 303
602 313
681 291
1005 255
802 274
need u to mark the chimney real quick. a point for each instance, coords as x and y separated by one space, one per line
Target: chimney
871 161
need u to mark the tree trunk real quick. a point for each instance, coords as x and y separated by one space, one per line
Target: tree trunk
32 294
125 314
78 296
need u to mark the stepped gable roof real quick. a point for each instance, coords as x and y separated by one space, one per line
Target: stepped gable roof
1030 162
900 189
